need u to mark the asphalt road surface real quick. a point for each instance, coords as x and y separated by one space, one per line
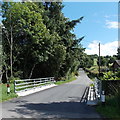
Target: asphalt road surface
59 102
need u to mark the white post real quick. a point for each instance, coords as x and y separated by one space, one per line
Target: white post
8 88
34 83
103 97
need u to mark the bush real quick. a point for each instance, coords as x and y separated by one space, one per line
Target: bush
12 79
111 76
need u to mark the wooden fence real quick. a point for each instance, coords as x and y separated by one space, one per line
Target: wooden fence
111 87
27 84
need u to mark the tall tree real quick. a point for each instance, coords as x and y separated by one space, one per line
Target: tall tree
31 38
42 42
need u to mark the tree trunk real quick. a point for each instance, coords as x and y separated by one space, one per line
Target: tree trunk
11 62
11 54
11 47
32 71
6 73
1 74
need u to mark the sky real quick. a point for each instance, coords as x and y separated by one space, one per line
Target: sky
100 24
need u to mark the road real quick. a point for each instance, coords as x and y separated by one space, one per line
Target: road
59 102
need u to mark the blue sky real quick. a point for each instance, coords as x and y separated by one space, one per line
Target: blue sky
100 24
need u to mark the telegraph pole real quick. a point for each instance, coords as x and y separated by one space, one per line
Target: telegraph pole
99 59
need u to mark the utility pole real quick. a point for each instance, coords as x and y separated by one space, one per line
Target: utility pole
99 59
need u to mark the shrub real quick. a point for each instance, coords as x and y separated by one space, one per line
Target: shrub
111 76
12 79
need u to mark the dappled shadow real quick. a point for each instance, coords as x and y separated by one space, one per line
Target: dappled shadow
56 110
18 101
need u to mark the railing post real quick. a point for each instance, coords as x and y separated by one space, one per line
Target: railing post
34 83
51 81
100 88
40 83
14 86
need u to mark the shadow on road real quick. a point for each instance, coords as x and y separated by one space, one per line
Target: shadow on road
56 110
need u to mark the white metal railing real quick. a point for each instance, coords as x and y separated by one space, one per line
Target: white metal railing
98 88
27 84
95 91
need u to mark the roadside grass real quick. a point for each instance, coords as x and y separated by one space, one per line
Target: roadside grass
65 81
111 108
3 90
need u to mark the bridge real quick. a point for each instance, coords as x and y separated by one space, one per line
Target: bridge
63 101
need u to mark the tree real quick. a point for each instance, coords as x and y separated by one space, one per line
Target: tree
8 31
42 42
30 35
102 61
111 59
87 61
57 23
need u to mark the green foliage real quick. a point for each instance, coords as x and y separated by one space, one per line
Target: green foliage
43 42
102 61
108 76
87 61
111 76
12 79
106 60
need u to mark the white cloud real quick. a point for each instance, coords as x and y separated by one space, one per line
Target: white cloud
112 24
111 16
109 48
107 16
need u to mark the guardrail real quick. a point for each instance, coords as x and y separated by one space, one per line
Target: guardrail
98 88
27 84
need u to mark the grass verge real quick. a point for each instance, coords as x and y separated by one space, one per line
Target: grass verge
3 91
111 108
66 81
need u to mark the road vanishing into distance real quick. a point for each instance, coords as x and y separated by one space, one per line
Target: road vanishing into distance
62 101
